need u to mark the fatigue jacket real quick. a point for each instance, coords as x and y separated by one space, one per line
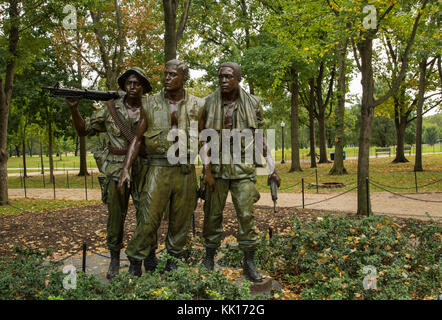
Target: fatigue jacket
102 121
157 113
247 114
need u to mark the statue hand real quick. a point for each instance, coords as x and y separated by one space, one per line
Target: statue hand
209 181
274 176
72 102
124 180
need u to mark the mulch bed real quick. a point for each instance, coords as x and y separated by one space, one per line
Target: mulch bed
64 230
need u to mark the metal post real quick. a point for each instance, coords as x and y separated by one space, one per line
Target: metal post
24 185
193 224
84 257
302 193
367 182
53 184
85 185
67 178
44 182
317 186
92 177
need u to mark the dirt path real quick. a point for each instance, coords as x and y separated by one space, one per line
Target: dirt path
382 203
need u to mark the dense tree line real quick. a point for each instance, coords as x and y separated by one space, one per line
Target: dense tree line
298 56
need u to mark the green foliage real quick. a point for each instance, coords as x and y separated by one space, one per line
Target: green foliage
29 277
325 258
431 135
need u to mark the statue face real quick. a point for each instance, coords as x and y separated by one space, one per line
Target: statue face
173 78
133 86
227 80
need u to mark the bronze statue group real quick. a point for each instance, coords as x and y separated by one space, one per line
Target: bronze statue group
137 162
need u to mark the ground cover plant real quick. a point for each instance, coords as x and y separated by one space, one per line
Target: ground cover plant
312 254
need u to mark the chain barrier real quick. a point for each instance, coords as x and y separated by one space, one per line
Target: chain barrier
407 188
69 256
309 204
403 196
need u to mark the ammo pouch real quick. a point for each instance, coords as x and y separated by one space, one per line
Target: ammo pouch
100 158
156 142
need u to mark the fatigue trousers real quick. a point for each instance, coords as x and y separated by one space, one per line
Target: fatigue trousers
167 186
244 195
117 204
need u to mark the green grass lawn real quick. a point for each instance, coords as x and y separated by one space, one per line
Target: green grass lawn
73 162
72 181
38 205
351 152
382 170
59 162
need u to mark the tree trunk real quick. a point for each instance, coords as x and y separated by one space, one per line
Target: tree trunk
5 97
338 162
83 163
366 52
322 138
77 144
41 158
170 35
294 119
311 116
420 102
50 149
400 125
172 32
17 150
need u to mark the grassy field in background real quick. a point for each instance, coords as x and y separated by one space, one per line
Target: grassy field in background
382 170
60 163
352 152
38 205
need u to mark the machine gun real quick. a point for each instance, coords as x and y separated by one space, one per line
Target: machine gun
56 91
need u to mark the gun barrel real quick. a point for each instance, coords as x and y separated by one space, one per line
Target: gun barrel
82 94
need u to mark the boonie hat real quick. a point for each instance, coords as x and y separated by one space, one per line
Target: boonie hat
135 70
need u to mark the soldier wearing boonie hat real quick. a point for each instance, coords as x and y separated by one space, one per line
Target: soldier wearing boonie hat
110 160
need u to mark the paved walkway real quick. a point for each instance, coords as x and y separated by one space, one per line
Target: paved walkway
382 202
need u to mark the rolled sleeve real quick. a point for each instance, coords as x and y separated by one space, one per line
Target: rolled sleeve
96 123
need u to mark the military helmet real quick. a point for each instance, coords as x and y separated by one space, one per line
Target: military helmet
143 77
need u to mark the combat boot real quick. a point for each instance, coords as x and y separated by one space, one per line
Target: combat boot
114 266
249 267
172 265
209 262
151 262
135 267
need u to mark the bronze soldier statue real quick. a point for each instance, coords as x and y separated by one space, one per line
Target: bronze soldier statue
170 184
118 120
231 107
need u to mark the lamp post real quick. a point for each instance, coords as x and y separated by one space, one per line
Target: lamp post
282 130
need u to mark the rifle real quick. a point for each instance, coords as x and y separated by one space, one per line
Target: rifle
56 91
274 192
